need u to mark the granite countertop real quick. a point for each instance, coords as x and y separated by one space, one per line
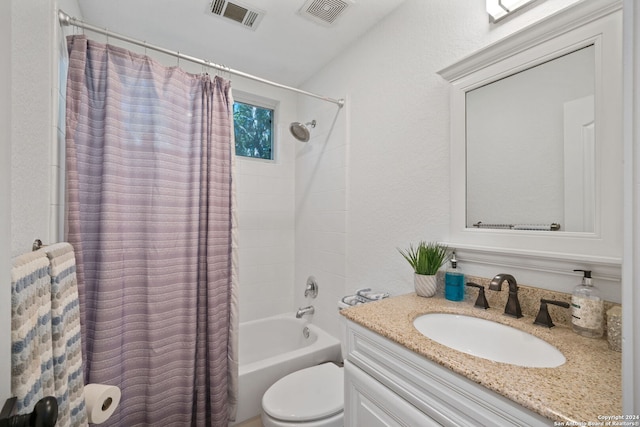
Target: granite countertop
584 389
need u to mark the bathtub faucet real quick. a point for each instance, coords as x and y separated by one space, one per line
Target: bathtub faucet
305 310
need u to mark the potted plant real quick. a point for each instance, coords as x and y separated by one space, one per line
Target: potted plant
425 259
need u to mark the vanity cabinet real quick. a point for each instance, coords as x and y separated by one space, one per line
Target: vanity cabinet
389 385
372 404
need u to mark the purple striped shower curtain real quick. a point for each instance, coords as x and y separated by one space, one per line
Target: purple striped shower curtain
150 214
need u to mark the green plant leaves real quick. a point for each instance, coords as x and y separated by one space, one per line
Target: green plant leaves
426 258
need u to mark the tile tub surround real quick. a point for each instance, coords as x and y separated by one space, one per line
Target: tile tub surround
587 386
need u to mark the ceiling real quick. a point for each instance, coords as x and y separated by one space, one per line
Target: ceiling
285 47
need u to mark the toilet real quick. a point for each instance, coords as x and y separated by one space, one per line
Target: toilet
310 397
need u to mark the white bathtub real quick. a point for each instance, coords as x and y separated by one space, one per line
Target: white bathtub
273 347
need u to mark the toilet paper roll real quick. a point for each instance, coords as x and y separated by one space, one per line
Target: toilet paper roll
101 401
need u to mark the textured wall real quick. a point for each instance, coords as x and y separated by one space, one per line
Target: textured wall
392 148
32 121
5 199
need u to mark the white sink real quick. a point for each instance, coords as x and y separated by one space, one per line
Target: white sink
489 340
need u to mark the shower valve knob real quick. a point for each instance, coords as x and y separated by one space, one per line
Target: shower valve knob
312 287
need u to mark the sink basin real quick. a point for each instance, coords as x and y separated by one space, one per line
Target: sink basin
489 340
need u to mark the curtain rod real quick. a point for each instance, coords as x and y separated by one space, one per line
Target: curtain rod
69 20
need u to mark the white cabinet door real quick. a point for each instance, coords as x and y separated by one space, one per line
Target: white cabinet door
370 404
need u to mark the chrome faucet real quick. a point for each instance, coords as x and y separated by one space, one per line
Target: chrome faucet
513 305
305 310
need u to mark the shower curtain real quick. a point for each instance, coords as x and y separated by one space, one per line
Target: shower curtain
150 212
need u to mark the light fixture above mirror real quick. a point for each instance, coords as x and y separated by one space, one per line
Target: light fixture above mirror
498 9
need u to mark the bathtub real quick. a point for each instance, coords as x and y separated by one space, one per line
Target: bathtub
273 347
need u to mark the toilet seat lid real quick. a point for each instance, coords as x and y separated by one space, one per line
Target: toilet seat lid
309 394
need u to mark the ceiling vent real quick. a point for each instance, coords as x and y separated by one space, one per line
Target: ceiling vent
237 11
324 12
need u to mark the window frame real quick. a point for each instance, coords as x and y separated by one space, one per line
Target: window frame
267 103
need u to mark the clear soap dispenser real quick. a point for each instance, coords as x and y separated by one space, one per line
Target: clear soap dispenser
587 308
454 281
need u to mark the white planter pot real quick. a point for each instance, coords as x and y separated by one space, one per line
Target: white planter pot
425 285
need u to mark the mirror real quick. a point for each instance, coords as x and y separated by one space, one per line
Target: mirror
536 139
530 147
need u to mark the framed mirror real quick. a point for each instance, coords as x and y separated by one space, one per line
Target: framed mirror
536 143
537 126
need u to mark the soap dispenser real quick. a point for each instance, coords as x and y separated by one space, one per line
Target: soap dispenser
454 281
587 308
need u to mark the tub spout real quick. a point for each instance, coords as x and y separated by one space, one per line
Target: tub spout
305 310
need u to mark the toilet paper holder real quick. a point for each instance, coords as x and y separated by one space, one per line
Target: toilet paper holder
45 414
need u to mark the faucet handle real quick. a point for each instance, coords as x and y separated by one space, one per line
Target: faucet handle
312 287
481 301
544 318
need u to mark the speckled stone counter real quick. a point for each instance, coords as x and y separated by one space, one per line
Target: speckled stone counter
586 388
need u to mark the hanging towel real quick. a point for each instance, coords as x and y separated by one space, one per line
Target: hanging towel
31 353
65 330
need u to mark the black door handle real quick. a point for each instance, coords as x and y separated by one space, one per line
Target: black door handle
45 414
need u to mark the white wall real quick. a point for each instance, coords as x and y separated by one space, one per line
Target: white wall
266 219
631 262
32 121
36 130
390 145
321 207
5 200
28 112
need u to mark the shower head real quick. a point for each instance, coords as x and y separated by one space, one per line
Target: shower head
300 131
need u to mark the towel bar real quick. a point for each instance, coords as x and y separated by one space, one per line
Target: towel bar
37 244
554 226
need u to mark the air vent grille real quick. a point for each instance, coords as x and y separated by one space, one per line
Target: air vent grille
251 18
236 11
217 6
324 12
